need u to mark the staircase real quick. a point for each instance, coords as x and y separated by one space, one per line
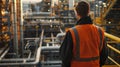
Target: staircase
111 10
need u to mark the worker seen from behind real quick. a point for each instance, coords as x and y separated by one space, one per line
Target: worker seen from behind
84 44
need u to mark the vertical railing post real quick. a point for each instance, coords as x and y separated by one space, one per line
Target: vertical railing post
21 28
15 28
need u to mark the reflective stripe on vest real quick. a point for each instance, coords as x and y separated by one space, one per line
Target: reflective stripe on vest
77 56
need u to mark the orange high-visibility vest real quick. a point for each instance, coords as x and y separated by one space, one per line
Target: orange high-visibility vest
87 44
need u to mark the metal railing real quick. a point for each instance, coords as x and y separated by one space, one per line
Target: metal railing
117 39
25 61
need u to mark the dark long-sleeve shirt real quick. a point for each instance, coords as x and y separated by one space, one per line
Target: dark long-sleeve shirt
66 48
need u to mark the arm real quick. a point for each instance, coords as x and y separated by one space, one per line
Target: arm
66 50
103 54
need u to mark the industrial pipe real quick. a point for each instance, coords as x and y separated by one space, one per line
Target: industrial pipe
37 58
15 35
21 28
17 60
5 52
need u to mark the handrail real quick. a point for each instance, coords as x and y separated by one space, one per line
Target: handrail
112 37
114 61
117 39
114 49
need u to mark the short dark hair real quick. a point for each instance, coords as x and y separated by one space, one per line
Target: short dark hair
82 8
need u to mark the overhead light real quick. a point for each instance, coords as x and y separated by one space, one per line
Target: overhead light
104 4
51 25
100 2
96 5
48 3
50 20
48 10
109 22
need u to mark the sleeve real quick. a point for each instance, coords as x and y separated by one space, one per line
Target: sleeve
103 54
66 50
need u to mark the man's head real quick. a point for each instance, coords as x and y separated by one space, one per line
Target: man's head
82 9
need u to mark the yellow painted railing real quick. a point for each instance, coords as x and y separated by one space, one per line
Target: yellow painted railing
117 39
114 49
113 61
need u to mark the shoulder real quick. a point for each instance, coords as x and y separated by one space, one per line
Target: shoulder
101 31
99 28
70 32
71 29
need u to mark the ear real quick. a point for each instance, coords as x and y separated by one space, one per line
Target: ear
78 16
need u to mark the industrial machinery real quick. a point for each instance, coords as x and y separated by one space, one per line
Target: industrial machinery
34 39
5 23
11 38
